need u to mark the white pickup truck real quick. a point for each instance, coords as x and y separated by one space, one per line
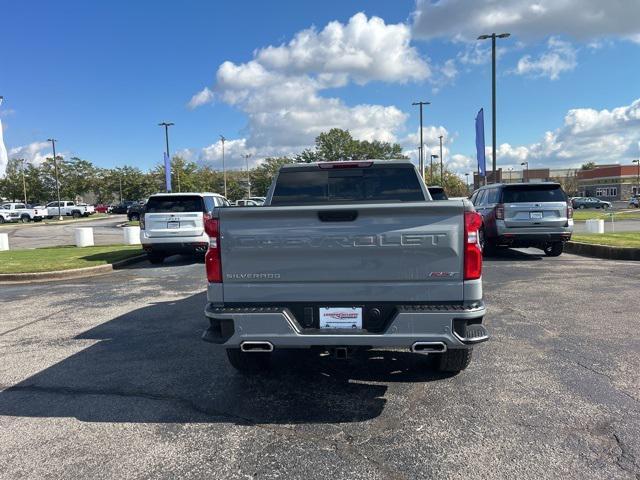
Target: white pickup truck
20 212
69 209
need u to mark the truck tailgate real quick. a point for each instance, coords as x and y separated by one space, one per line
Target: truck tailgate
410 252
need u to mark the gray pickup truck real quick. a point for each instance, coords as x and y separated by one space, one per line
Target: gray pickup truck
346 255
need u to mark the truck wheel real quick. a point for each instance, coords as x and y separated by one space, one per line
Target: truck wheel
76 214
155 258
24 219
455 360
1 220
248 362
553 249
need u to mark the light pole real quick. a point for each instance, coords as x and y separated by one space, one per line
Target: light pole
510 170
55 168
120 179
467 177
638 176
432 157
166 126
493 37
224 171
420 163
420 104
525 172
246 158
24 183
441 158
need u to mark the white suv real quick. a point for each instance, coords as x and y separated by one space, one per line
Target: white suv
173 223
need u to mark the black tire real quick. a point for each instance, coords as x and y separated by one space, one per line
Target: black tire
134 217
553 249
455 360
76 214
582 207
49 217
155 258
24 219
249 362
1 220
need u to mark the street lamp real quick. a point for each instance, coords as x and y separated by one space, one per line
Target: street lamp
420 104
638 176
432 157
55 168
526 171
441 158
493 37
166 126
224 171
24 182
246 158
510 170
467 177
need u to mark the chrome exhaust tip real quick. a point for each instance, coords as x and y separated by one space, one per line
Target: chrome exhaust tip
252 347
429 347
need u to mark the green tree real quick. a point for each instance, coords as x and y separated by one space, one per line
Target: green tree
588 166
262 175
337 145
11 184
77 177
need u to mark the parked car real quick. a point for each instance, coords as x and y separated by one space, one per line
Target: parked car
634 201
524 215
258 200
122 207
102 208
589 202
342 258
437 193
134 212
69 209
174 223
247 203
21 212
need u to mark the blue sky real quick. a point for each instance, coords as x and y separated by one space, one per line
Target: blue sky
99 76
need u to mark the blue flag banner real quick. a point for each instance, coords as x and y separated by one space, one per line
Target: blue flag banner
167 171
482 165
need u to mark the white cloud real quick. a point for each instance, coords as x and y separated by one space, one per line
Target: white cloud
34 153
280 88
581 19
203 97
560 57
601 136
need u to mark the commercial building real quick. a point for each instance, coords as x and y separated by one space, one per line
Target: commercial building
609 182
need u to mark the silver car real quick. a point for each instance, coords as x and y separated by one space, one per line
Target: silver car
525 215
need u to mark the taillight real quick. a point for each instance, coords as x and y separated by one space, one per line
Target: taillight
569 211
499 211
212 259
327 165
142 221
472 250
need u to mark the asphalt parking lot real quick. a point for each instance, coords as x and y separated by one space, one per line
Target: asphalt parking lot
37 235
107 377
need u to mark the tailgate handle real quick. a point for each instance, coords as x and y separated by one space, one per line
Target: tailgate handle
338 215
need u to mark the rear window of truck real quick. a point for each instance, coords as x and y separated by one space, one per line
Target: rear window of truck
347 185
175 204
533 193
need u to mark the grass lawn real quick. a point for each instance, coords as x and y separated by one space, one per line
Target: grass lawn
63 258
133 223
582 215
627 239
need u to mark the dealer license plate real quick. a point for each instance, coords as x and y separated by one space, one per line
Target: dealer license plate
341 317
536 215
173 225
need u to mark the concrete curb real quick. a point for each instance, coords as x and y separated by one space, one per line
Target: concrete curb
66 274
602 251
61 222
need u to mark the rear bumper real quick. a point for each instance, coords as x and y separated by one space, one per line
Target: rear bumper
167 245
433 323
531 236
